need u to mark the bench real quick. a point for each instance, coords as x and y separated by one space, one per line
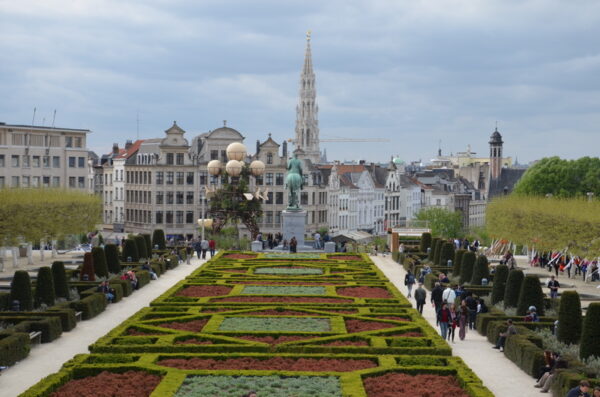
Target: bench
35 337
78 316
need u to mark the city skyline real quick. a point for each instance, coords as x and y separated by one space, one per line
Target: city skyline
410 72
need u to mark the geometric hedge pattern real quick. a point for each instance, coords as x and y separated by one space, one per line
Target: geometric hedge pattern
304 323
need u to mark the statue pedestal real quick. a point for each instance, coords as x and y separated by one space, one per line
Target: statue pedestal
294 225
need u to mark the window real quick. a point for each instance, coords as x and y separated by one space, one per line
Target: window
15 160
303 198
35 162
179 176
25 181
179 217
269 217
277 217
169 217
279 179
56 181
270 197
2 181
46 181
35 181
15 181
203 178
69 141
179 159
170 177
214 154
55 162
269 158
169 158
269 179
189 179
224 156
189 198
169 197
78 142
72 161
189 217
179 197
46 161
259 180
279 198
159 177
159 217
81 182
81 162
26 161
1 160
159 197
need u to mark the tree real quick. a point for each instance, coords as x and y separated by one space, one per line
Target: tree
148 241
499 285
531 294
466 267
513 288
458 255
447 254
100 267
112 258
569 318
590 337
140 242
443 223
158 239
59 276
87 270
431 255
130 251
20 290
481 270
44 287
425 242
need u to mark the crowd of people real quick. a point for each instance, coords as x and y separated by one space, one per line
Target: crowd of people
561 263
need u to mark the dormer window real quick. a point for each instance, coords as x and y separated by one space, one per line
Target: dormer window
269 158
169 158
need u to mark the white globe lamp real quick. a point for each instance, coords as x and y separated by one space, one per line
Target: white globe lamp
214 167
233 168
236 151
257 168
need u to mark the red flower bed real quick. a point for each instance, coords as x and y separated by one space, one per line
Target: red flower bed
303 283
136 332
346 257
281 299
275 363
194 341
353 325
193 326
347 343
217 310
271 340
110 384
395 318
412 334
239 256
235 270
394 384
342 311
364 292
199 291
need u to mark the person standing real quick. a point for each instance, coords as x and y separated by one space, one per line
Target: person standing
293 244
554 286
463 318
436 297
453 322
212 246
420 297
204 247
317 240
449 296
444 317
409 281
189 252
472 307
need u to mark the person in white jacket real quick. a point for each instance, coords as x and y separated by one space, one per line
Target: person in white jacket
448 295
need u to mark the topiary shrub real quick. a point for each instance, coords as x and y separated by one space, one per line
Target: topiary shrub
590 336
481 270
44 287
438 252
100 267
61 285
112 258
569 318
130 250
140 242
447 254
425 242
513 288
158 238
458 255
87 270
531 294
466 267
499 284
431 255
20 289
148 241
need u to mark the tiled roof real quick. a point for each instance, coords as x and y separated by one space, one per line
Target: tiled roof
131 151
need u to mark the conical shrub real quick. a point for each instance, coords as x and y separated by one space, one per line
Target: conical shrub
141 246
87 270
130 251
513 288
466 267
431 255
44 287
458 255
20 289
531 294
447 254
480 271
438 252
425 242
100 267
61 285
499 285
590 337
148 241
158 239
569 318
113 263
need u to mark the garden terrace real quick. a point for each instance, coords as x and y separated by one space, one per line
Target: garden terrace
311 323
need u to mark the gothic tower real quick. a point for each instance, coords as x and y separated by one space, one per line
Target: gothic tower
307 123
495 154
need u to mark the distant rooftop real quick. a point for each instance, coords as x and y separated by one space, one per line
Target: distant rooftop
39 127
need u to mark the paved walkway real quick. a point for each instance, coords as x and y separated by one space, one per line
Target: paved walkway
47 358
497 372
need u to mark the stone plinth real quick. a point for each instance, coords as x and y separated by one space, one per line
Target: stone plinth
329 247
257 246
294 225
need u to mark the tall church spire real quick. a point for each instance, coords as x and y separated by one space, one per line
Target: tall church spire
307 123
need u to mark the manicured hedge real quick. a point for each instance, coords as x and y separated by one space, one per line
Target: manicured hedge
466 267
50 326
531 295
20 289
100 267
569 318
438 252
91 305
130 251
140 242
87 270
447 254
14 346
480 270
61 285
434 243
513 288
148 242
590 336
458 255
425 242
44 287
113 263
499 285
158 239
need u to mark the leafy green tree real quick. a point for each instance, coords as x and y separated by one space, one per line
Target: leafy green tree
458 255
100 267
513 288
425 242
481 270
447 254
590 337
44 287
130 250
443 223
158 239
59 276
466 267
112 258
499 285
569 318
20 290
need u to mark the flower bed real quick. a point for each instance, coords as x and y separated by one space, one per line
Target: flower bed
394 384
199 291
281 299
282 290
354 325
274 363
365 292
304 283
110 384
239 256
277 324
194 341
345 257
347 342
288 271
273 340
193 326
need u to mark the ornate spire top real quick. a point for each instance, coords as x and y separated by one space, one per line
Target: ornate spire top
308 35
308 69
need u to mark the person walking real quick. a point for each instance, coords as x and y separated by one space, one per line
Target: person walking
293 244
472 307
463 319
444 317
449 296
409 281
453 322
436 297
212 246
420 297
204 247
198 248
554 286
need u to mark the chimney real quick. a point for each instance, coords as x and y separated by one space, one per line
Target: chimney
284 145
115 148
257 147
361 162
128 144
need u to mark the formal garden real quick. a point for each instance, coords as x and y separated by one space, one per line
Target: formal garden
305 325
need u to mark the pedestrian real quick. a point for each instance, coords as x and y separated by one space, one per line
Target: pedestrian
420 297
198 248
409 281
581 390
463 318
554 286
436 297
510 330
317 240
453 322
449 296
293 245
472 308
212 246
444 318
189 252
204 247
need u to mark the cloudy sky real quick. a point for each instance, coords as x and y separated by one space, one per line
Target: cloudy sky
415 72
